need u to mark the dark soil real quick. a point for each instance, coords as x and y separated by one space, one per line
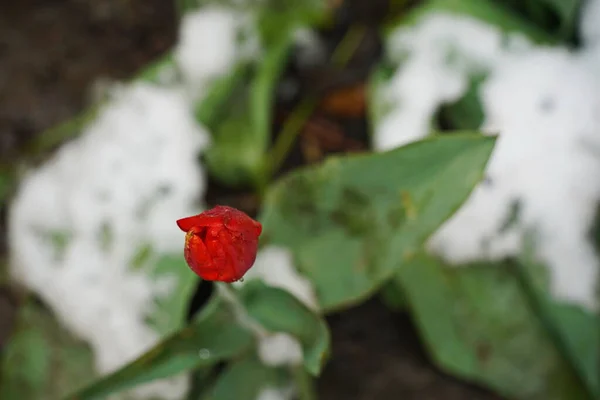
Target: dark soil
377 355
51 53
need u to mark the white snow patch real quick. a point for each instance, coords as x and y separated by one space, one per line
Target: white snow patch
279 349
273 393
123 183
545 104
547 158
275 267
437 58
310 51
212 40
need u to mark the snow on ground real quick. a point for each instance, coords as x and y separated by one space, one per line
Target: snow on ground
280 349
77 222
208 43
273 393
275 267
545 105
121 184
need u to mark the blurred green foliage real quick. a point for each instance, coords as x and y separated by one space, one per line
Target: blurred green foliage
43 360
220 333
355 225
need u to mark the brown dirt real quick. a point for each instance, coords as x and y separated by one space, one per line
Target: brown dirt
50 54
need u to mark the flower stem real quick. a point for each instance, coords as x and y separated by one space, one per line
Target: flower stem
228 294
292 127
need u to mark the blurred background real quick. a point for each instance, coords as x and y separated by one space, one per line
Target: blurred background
61 59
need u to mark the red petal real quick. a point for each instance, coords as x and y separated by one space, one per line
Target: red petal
185 224
225 248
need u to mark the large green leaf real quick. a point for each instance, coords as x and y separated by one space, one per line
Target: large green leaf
479 323
212 337
353 220
41 360
279 311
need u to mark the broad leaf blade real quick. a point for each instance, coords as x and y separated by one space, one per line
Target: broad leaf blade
213 337
279 311
351 221
478 323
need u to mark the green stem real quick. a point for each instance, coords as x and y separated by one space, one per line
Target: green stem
289 133
293 125
228 294
304 383
347 47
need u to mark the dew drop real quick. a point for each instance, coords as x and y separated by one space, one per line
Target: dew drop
204 354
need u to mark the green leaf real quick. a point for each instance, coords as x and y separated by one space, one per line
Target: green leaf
391 295
238 109
579 336
478 323
244 380
41 359
557 17
568 13
277 16
353 220
379 105
279 311
466 112
215 104
241 135
201 380
212 337
6 183
170 310
576 332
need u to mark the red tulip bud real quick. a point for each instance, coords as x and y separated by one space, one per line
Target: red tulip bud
221 243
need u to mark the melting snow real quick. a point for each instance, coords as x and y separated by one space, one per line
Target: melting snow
211 41
78 221
272 393
279 349
545 104
275 267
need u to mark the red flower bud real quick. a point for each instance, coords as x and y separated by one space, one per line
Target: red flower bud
221 243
